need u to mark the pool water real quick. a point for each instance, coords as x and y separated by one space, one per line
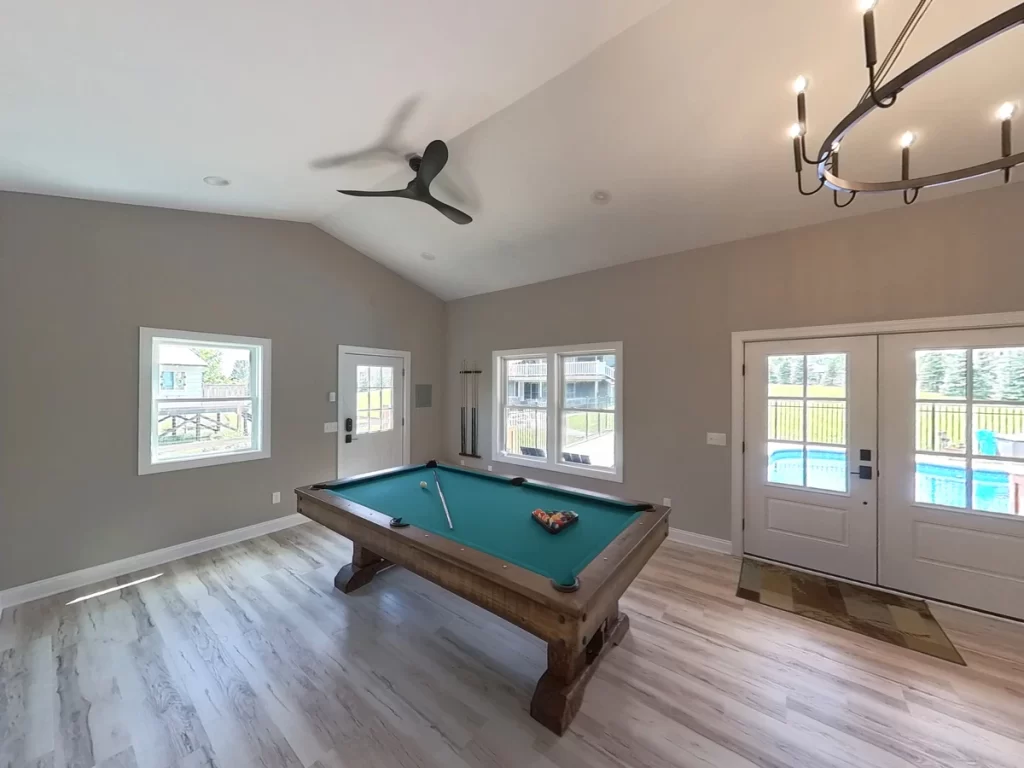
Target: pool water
935 483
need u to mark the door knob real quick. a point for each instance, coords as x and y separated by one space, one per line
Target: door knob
864 473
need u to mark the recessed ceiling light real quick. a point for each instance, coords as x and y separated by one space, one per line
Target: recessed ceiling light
427 256
216 181
600 196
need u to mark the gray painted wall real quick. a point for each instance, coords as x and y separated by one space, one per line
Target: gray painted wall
78 278
675 314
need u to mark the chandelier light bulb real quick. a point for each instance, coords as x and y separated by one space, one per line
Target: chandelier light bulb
800 84
867 5
795 131
836 145
907 139
1006 111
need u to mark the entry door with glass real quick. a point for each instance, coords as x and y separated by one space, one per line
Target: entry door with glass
372 420
810 448
952 415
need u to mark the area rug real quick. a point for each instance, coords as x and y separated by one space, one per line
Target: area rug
903 621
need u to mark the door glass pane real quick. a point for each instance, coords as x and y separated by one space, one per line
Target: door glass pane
826 421
827 468
941 374
999 430
826 375
526 431
374 398
786 420
785 376
588 438
786 463
940 480
998 374
998 486
941 426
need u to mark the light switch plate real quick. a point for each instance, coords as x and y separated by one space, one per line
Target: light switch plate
276 498
716 438
331 426
332 397
667 501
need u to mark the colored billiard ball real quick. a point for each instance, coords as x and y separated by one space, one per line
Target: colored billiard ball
423 483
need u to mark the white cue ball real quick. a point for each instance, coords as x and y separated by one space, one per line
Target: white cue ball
423 483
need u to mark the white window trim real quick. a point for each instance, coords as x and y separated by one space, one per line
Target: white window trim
149 380
552 462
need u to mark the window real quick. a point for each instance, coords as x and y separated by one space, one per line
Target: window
204 399
970 429
580 431
807 409
375 397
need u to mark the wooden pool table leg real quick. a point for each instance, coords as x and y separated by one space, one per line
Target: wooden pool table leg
365 564
559 693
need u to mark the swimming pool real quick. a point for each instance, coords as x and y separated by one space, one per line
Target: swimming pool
935 483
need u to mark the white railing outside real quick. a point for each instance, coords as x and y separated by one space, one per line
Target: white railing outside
577 369
225 390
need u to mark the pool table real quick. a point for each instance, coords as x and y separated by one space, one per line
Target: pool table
563 587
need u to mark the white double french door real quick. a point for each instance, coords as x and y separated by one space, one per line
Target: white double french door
893 459
952 490
810 449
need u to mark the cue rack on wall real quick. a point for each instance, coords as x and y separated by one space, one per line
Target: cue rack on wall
470 407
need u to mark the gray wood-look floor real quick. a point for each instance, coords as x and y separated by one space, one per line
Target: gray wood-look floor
247 656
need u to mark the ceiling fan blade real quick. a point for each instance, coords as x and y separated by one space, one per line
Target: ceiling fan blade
459 217
363 156
381 193
435 156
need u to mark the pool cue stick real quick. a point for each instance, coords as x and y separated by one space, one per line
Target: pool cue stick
437 482
462 376
474 400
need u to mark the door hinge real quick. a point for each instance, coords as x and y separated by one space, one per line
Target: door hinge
744 526
403 371
743 370
403 421
743 447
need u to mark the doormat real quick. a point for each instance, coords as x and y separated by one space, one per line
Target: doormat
903 621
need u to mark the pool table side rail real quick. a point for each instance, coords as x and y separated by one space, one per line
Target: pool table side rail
372 529
596 495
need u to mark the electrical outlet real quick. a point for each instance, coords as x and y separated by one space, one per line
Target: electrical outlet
490 468
667 501
275 498
462 462
716 438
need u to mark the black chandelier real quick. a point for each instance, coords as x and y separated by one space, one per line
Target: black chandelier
878 96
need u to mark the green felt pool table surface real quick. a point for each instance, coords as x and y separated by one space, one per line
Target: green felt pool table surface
491 514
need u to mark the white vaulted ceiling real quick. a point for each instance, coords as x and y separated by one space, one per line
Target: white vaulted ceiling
678 109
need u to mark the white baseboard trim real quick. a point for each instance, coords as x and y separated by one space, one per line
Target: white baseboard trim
77 579
700 541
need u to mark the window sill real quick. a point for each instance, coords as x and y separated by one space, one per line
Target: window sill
612 475
152 468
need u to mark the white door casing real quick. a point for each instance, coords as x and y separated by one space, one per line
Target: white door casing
804 502
935 469
373 394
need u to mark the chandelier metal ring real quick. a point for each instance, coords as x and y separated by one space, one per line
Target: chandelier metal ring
975 37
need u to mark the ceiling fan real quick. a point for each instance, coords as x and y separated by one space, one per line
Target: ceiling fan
427 166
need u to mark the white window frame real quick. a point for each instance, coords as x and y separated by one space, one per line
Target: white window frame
149 396
553 460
